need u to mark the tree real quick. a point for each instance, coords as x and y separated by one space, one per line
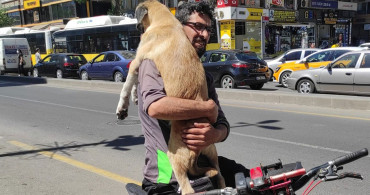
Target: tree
5 20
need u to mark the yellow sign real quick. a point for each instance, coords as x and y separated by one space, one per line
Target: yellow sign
254 14
30 4
252 45
227 33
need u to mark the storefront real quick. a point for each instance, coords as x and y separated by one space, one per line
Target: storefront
283 32
240 28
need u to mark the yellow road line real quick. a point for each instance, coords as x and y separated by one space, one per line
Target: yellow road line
79 164
298 112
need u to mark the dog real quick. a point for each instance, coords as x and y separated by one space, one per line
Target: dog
165 42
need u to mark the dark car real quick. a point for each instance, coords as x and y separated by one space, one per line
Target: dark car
232 68
110 65
59 65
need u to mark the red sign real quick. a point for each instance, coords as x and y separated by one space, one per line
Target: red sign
226 3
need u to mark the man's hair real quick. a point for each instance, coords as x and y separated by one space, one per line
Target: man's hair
185 9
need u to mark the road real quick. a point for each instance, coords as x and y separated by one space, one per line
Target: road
67 141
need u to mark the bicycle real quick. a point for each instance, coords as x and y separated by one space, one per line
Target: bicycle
281 179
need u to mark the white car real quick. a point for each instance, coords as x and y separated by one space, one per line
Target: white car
365 45
289 56
348 74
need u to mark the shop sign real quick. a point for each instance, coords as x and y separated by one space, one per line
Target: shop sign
347 6
226 3
252 45
324 4
227 32
330 18
30 4
277 2
224 13
306 15
282 16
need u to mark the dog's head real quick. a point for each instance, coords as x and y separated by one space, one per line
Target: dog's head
149 11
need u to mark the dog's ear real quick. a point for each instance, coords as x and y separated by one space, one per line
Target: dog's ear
140 13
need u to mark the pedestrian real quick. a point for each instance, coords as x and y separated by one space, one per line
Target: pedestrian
20 62
37 55
156 110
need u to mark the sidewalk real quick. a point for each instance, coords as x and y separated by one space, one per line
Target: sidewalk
316 100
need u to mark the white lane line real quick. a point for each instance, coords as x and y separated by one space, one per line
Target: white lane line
294 143
62 105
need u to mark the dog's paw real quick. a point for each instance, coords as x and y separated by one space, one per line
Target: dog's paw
121 115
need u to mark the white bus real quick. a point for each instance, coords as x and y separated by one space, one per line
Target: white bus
90 36
36 38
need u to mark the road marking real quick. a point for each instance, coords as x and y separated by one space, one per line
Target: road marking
78 164
290 142
298 112
62 105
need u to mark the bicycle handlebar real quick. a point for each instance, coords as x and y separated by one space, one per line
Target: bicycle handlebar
350 157
304 178
337 162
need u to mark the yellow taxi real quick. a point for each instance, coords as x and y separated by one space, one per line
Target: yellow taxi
315 60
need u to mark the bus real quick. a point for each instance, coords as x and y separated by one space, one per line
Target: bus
90 36
41 39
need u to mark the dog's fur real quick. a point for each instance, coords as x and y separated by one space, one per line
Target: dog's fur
165 42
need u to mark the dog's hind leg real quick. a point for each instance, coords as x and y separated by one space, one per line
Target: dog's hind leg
212 156
134 93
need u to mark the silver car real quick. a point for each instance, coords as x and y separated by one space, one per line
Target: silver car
348 74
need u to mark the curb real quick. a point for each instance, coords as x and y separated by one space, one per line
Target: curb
315 100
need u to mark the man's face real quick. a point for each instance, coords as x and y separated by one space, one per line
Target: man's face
197 30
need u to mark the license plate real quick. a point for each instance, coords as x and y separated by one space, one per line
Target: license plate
260 77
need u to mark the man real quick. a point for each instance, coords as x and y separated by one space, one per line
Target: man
20 62
156 109
38 55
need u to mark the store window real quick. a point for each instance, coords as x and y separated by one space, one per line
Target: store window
16 16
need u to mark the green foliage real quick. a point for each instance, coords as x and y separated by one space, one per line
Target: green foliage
5 20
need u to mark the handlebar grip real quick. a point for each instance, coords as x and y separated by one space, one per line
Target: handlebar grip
350 157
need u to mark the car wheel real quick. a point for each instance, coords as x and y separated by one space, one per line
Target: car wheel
256 86
59 74
284 78
227 82
2 72
84 75
271 74
118 77
35 72
305 86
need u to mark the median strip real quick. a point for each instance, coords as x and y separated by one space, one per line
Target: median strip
78 164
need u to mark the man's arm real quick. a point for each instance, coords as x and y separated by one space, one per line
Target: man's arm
172 108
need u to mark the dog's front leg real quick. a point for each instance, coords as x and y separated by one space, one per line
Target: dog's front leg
123 103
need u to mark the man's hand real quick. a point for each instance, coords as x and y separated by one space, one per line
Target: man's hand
198 135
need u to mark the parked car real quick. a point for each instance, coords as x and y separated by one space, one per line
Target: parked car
232 68
59 65
315 60
289 56
365 45
348 74
110 65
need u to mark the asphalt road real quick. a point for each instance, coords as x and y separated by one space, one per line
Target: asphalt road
55 140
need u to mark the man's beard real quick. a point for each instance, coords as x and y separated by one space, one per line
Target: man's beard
200 49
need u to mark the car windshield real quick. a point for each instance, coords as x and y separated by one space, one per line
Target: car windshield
247 56
77 59
128 55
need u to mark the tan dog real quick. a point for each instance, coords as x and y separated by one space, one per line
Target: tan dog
165 42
